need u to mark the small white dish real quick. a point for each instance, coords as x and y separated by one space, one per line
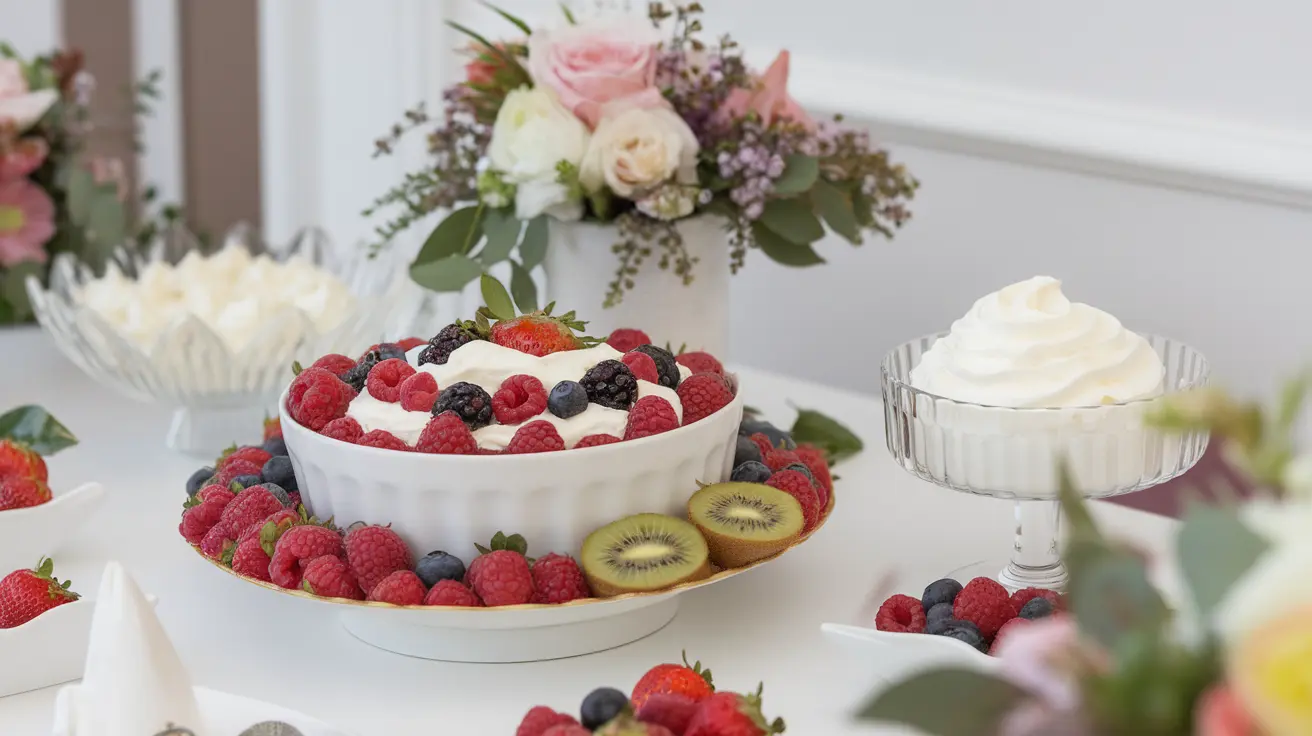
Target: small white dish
27 535
223 713
897 654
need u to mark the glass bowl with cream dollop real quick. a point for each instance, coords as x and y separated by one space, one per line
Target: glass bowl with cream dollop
1025 381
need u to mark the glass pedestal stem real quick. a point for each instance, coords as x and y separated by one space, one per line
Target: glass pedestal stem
1035 556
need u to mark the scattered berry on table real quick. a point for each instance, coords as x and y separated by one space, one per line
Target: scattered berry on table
469 401
410 343
796 485
250 560
671 710
558 579
600 706
419 392
257 456
667 368
745 451
536 436
985 603
330 577
1025 595
938 612
375 552
272 430
279 471
726 714
17 458
22 492
815 459
385 379
317 397
688 680
965 631
650 415
774 437
625 339
232 471
383 440
401 588
901 613
537 334
1036 608
700 362
26 594
778 458
436 566
334 363
944 590
345 429
296 548
519 399
540 718
251 506
593 440
751 472
446 434
198 520
446 341
451 593
1005 631
502 578
610 383
199 480
643 367
567 399
801 468
247 481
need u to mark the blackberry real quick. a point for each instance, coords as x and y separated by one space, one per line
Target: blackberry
279 470
198 480
445 342
385 351
964 631
611 383
746 451
356 376
938 613
437 566
777 436
469 401
750 472
1037 608
940 591
601 706
667 368
567 399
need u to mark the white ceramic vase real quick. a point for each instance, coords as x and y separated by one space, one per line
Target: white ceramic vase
580 266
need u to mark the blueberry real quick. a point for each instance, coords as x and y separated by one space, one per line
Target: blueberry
938 612
246 481
751 472
197 480
601 705
940 591
279 470
801 469
275 446
750 426
436 566
776 436
278 492
746 450
567 399
1037 608
964 631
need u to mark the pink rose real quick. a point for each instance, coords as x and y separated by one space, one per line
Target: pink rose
27 222
604 61
23 157
769 99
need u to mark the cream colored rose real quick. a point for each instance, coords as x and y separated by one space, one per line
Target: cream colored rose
532 135
639 149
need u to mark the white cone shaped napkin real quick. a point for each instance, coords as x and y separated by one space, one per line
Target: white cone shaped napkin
134 683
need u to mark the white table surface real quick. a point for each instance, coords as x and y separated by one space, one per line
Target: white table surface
760 626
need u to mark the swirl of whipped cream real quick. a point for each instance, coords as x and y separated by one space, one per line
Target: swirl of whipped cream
1028 346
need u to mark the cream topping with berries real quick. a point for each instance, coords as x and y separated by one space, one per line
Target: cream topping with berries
487 364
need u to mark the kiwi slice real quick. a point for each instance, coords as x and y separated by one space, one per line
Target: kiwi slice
644 552
745 522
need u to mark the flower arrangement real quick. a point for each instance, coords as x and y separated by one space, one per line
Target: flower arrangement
1235 659
53 197
639 123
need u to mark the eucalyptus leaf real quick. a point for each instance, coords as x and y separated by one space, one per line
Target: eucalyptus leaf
800 174
827 433
863 207
947 702
783 252
835 207
1215 549
523 289
81 192
1075 507
1113 599
13 288
34 427
502 231
107 226
452 273
496 298
455 235
792 219
533 248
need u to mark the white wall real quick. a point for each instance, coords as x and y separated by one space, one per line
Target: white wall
31 26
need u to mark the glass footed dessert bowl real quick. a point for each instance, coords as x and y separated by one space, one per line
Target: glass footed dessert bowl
212 335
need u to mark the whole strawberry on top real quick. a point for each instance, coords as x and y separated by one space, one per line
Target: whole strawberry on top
26 594
685 679
536 332
26 434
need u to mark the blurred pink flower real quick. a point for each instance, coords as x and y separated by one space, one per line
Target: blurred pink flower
608 60
1048 657
12 80
22 158
1220 713
109 170
26 222
770 98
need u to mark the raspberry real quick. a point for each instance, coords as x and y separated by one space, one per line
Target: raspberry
345 429
762 443
567 729
519 399
540 718
502 578
446 434
901 613
1025 595
445 342
330 577
451 593
626 338
1011 625
779 458
383 440
297 548
19 492
317 397
650 415
198 520
818 463
643 367
334 364
376 552
702 395
538 436
401 588
215 493
418 392
410 343
469 401
699 362
558 579
250 560
255 455
611 384
593 440
234 470
985 603
295 498
251 506
796 485
269 531
671 710
216 542
385 379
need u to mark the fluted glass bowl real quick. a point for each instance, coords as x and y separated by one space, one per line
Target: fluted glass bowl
217 390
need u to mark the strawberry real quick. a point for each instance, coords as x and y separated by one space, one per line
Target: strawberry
26 594
21 492
538 333
685 679
18 459
731 714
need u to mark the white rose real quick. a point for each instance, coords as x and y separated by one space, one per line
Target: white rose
639 149
532 135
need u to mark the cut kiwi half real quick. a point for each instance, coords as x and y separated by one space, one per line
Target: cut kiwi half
643 553
745 522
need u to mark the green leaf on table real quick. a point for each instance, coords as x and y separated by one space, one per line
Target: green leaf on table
793 220
1215 549
800 174
452 273
1112 598
835 207
521 25
34 427
783 252
947 702
523 289
827 433
497 298
455 235
533 248
81 192
502 231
